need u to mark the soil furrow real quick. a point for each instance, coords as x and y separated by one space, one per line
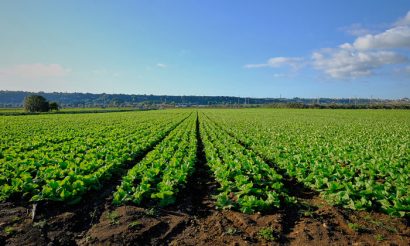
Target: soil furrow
196 201
59 223
312 219
292 213
194 220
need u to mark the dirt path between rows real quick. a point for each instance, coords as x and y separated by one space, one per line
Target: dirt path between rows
194 220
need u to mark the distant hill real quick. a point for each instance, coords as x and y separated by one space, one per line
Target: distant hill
15 99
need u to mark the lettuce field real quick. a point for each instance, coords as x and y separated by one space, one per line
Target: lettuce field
202 176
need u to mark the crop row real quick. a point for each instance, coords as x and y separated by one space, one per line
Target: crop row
246 182
164 171
361 162
65 171
25 134
356 159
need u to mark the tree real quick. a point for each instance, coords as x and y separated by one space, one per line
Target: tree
35 103
54 106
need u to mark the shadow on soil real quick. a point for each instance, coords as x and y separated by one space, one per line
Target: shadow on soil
56 222
291 212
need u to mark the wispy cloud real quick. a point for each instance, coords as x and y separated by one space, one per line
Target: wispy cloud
162 65
356 30
294 62
37 70
361 58
404 70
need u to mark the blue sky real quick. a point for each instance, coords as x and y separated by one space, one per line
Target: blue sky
236 48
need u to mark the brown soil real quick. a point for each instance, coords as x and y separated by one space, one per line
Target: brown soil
194 220
313 223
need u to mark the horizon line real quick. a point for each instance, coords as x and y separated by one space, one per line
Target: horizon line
244 97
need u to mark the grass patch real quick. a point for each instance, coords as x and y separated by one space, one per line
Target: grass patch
113 217
267 233
355 227
134 224
9 230
151 212
379 237
231 231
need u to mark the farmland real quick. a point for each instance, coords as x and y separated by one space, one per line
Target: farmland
200 176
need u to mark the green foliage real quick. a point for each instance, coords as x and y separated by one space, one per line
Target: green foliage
151 212
267 233
379 237
165 170
355 227
40 224
9 230
231 231
54 106
35 103
61 157
356 159
247 183
113 217
134 224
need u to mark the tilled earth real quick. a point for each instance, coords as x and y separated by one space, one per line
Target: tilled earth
194 220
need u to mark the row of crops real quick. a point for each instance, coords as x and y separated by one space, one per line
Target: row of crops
165 170
356 159
246 182
62 157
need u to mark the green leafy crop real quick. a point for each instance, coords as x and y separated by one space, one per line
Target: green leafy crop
165 170
358 159
61 157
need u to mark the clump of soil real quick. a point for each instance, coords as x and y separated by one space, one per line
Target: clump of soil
194 220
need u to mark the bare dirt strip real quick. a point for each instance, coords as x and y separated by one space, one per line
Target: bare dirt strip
194 220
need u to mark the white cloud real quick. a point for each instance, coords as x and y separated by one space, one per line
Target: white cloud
32 71
294 62
162 65
366 54
404 21
356 30
361 58
345 62
396 37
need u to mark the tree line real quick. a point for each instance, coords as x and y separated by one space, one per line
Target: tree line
15 99
36 103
